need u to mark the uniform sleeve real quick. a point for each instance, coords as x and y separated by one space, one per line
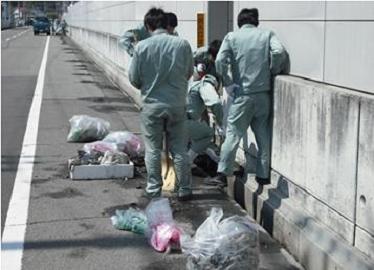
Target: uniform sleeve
134 71
189 60
211 99
278 55
131 37
127 41
223 61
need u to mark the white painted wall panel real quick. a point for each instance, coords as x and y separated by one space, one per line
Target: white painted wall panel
349 59
187 30
287 10
304 41
188 10
350 10
122 26
143 7
127 11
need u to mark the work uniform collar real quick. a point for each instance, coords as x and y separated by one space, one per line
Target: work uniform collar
159 31
247 25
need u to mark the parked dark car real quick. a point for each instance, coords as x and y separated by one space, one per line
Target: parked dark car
41 25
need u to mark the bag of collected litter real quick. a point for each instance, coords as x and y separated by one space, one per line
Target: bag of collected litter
229 244
84 128
84 158
163 233
100 146
126 142
110 158
130 220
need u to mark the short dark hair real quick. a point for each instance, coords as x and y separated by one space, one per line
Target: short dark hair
172 19
248 16
155 18
213 47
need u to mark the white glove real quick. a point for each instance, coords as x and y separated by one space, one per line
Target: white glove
201 68
221 132
230 90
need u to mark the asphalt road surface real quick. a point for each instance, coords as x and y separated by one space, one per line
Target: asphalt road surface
20 61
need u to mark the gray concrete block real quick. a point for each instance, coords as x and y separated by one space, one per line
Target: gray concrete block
314 140
365 173
315 245
321 249
364 242
314 207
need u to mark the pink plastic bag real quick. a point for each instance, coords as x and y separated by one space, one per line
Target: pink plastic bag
164 236
126 142
163 233
100 146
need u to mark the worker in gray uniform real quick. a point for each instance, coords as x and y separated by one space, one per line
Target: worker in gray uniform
254 55
207 55
131 37
160 68
203 94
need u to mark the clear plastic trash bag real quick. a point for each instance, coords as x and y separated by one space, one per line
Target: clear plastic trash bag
228 244
84 128
126 142
111 158
100 147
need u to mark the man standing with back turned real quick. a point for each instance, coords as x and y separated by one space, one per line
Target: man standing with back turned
255 55
160 68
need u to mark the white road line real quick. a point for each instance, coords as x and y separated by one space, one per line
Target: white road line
15 224
18 35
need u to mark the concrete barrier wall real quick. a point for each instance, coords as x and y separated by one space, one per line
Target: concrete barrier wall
315 140
365 179
320 200
323 145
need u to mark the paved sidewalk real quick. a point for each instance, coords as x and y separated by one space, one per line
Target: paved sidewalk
69 221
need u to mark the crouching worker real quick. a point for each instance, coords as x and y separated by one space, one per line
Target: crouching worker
202 94
160 68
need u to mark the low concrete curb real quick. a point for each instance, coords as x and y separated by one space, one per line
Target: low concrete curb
315 246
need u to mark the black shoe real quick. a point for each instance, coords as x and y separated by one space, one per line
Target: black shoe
206 164
184 198
197 171
219 180
263 181
239 172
